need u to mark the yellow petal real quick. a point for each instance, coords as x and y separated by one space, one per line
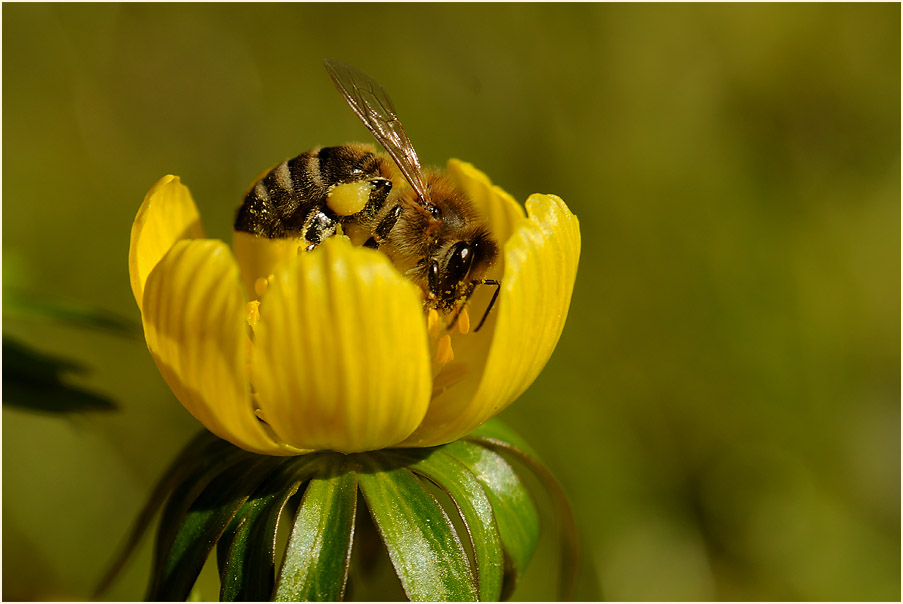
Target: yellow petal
195 324
341 353
541 260
167 215
500 209
260 257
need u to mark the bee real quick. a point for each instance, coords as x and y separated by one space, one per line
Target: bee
426 225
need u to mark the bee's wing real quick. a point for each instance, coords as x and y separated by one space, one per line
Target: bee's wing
372 104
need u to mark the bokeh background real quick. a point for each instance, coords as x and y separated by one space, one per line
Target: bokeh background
723 408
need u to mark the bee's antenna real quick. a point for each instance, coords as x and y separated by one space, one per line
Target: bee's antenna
473 285
495 295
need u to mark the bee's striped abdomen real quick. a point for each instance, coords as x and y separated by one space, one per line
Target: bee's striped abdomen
290 200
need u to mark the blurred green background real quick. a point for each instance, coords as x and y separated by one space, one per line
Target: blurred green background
724 405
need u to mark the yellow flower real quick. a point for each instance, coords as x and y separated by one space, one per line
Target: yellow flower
284 353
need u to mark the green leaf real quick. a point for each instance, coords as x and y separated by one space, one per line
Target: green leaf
205 467
33 380
21 304
245 574
205 522
315 566
499 437
248 549
496 430
421 540
514 508
475 509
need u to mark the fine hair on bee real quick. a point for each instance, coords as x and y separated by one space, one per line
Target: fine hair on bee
427 226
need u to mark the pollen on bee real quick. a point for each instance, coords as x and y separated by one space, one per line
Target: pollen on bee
349 198
463 322
444 352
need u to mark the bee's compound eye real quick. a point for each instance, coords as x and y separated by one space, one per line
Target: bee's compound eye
459 262
433 277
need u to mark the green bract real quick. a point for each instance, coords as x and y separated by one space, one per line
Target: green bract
218 496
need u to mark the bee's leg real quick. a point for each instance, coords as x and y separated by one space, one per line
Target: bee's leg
379 192
320 226
381 232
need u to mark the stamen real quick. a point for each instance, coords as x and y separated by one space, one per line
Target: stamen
261 285
444 352
253 313
249 364
432 323
463 321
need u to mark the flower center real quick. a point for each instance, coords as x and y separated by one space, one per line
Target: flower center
440 334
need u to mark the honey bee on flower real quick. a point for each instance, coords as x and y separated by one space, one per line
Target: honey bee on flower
418 218
283 353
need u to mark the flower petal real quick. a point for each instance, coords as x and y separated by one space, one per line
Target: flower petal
341 354
194 324
260 257
167 215
541 260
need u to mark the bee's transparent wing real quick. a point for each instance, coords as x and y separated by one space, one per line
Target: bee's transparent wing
372 104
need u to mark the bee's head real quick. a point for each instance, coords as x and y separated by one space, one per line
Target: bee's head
459 263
